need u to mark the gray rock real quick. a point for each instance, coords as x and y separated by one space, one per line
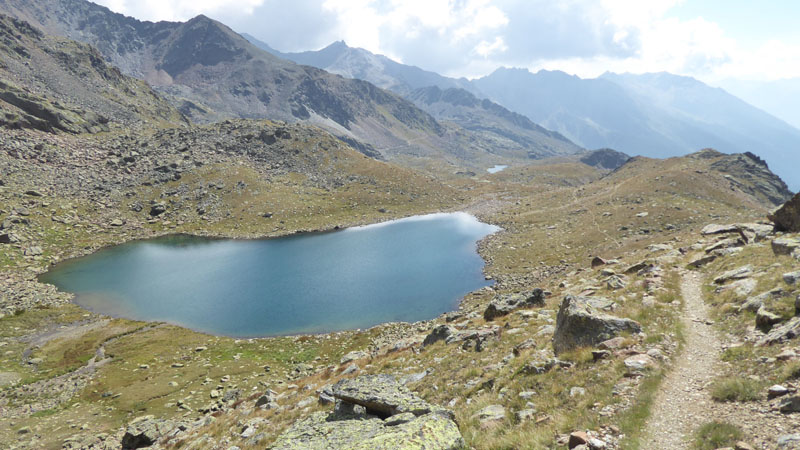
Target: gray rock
789 442
321 431
766 318
525 414
504 304
638 362
785 245
791 277
491 413
439 333
144 432
703 260
787 217
158 209
381 395
353 356
777 391
753 304
579 324
790 405
782 333
735 274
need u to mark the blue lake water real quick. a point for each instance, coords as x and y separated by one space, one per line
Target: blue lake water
405 270
497 168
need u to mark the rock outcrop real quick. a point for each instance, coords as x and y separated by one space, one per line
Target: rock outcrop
579 324
504 304
144 432
787 217
374 412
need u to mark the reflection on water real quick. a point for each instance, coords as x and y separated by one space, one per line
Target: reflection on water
405 270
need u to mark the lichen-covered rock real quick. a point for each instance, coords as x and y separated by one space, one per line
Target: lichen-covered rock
144 432
579 324
504 304
322 431
735 274
381 395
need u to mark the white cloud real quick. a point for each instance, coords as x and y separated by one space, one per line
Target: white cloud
179 10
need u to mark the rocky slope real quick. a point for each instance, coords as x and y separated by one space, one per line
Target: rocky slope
212 73
656 115
56 84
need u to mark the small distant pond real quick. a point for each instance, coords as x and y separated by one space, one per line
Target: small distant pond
404 270
497 168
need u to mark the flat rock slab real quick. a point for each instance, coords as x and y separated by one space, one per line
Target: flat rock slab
322 431
381 395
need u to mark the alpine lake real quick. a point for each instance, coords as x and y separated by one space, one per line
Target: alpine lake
404 270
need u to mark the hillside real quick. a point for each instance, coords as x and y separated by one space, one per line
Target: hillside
56 84
655 115
211 73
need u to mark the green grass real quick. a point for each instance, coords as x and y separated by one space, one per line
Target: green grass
714 435
735 389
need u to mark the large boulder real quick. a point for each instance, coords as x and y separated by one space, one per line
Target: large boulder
787 217
381 395
392 417
579 324
504 304
785 245
323 431
144 432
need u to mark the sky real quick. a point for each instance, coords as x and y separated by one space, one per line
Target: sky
713 40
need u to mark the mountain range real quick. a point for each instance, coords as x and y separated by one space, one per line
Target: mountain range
655 114
211 73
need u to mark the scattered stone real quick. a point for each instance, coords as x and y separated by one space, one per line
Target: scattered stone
791 277
144 432
782 333
702 261
578 324
577 438
353 356
504 304
577 391
491 414
766 318
158 209
638 362
789 442
790 405
785 245
525 414
638 267
777 391
735 274
439 333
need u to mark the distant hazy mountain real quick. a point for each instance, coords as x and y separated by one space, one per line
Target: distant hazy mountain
779 98
507 130
656 115
361 64
450 99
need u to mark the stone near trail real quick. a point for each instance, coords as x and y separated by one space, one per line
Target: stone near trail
735 274
381 395
789 442
766 318
790 405
724 245
638 362
702 261
777 391
579 324
782 333
144 432
787 217
503 305
638 267
785 245
753 304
